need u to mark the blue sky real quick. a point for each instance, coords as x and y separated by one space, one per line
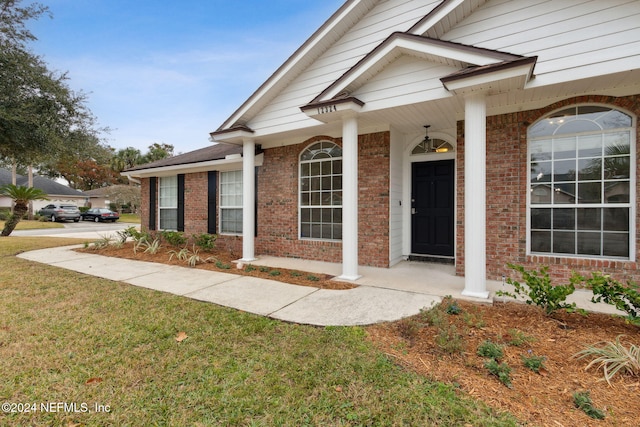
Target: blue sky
171 71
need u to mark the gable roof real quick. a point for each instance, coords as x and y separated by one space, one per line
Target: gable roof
331 31
393 60
437 21
464 57
47 185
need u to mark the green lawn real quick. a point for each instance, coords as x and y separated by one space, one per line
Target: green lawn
133 218
32 225
70 338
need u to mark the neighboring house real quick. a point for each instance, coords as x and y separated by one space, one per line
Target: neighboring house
531 110
98 197
119 195
56 192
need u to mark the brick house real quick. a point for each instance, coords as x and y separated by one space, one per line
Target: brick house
476 132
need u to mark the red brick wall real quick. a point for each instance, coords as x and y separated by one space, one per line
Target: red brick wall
278 205
144 206
195 202
507 187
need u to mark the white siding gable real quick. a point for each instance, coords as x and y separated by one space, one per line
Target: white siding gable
572 38
283 112
408 80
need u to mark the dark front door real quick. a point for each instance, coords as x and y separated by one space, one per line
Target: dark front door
432 208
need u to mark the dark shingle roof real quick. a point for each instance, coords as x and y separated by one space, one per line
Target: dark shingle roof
47 185
206 154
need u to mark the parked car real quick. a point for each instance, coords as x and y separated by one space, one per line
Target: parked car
60 212
100 214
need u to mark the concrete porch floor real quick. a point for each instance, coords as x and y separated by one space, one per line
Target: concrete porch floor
422 278
410 276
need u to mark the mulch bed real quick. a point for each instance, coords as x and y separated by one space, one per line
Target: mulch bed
541 399
227 259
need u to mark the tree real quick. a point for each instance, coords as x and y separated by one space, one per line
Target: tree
158 152
21 196
126 158
39 113
85 163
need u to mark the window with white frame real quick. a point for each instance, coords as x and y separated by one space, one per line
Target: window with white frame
168 203
231 202
582 169
321 191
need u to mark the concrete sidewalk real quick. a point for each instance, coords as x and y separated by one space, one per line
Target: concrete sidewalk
300 304
383 294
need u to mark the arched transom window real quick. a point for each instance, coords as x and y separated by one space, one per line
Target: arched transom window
581 169
321 191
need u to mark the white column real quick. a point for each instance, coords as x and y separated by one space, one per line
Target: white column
349 198
475 193
248 200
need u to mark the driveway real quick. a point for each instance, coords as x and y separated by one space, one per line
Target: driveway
81 230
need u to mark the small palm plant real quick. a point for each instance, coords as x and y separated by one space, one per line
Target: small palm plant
21 196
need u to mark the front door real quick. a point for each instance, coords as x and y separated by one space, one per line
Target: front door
432 208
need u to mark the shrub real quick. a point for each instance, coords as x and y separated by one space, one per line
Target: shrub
613 358
205 241
453 308
537 289
136 235
582 400
501 370
449 339
174 238
519 338
491 350
434 315
221 265
409 328
624 297
533 362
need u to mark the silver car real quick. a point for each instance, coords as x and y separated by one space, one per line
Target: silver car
61 212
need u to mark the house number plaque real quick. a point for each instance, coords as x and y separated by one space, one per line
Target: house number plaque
327 109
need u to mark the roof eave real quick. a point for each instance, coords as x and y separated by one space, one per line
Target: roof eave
483 79
231 162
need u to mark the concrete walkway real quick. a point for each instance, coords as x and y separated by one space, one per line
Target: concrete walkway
300 304
383 294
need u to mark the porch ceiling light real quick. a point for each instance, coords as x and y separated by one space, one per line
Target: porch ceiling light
428 144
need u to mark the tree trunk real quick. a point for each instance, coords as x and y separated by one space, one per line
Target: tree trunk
18 212
30 207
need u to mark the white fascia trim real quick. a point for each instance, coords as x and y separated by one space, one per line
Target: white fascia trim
290 64
485 81
235 137
437 17
400 46
218 165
